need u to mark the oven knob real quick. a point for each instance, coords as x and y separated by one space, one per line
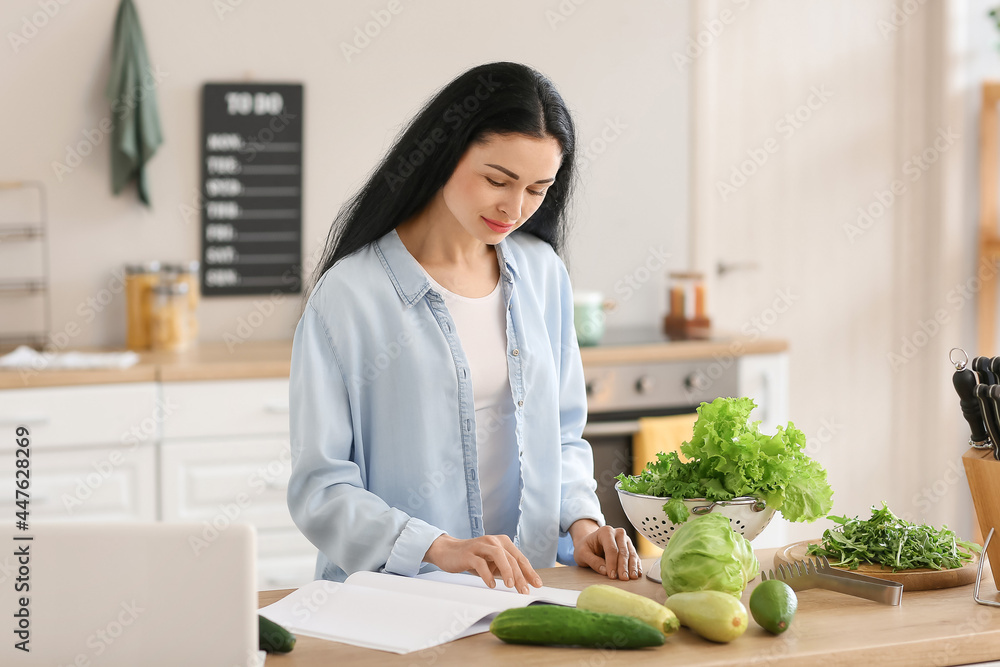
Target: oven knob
696 381
594 387
644 384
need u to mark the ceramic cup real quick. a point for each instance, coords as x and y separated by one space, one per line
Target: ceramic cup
588 317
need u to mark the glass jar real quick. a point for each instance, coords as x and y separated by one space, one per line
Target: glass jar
170 327
140 279
187 272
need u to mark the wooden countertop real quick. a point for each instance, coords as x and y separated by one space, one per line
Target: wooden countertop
943 627
272 359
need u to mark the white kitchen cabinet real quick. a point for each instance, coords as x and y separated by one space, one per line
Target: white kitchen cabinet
764 378
91 484
225 408
80 416
225 458
286 559
244 479
93 450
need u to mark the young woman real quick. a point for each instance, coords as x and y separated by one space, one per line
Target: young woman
437 392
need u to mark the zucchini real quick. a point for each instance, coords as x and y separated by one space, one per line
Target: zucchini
565 626
273 638
611 600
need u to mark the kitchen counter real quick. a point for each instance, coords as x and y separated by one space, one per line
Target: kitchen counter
943 627
271 359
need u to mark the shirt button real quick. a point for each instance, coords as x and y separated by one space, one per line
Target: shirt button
515 353
520 403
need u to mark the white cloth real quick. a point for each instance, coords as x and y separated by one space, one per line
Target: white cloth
26 358
481 324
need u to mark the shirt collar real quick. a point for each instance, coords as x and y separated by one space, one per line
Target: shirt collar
409 278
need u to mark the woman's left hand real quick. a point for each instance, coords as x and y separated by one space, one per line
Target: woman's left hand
605 549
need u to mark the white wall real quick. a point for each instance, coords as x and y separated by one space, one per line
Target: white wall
871 384
610 64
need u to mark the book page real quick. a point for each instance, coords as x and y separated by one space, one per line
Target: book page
562 596
373 618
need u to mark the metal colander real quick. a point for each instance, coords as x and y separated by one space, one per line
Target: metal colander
747 515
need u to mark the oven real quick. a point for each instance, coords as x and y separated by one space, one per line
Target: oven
619 394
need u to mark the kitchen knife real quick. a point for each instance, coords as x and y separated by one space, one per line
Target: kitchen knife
982 367
965 382
994 392
989 412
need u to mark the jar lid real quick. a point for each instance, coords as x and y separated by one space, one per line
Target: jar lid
187 266
144 267
171 289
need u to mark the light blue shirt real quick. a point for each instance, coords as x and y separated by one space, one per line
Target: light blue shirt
383 433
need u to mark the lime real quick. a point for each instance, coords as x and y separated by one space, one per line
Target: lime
773 604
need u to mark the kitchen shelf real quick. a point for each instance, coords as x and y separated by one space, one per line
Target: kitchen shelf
28 282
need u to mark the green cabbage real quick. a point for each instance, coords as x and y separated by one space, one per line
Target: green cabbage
705 553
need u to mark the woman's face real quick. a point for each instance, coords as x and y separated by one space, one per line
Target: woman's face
498 184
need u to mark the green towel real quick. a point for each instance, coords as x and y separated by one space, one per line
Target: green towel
132 90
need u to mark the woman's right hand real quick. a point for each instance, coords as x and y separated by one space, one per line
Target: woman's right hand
487 556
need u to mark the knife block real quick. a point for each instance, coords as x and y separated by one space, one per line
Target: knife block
983 473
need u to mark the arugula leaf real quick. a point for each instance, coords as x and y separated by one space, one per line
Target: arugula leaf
887 540
729 457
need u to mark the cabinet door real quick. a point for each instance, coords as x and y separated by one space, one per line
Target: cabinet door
110 414
226 408
226 480
764 378
285 559
90 484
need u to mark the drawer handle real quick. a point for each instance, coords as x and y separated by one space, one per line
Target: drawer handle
38 420
276 408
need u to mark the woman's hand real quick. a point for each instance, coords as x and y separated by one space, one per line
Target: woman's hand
605 549
487 556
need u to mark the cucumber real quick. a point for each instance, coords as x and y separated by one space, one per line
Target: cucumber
273 638
553 625
714 615
611 600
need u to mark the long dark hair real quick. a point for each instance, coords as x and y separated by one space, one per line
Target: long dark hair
497 98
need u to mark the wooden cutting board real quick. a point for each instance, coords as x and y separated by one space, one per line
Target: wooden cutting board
917 579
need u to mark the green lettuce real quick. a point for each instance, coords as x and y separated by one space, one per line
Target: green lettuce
706 554
729 457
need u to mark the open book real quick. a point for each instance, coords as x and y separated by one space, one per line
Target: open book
402 614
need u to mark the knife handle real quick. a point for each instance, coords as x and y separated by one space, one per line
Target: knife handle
995 366
965 384
982 366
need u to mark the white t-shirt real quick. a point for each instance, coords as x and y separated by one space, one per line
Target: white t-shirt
481 324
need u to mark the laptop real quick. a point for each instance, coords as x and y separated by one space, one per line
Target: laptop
128 595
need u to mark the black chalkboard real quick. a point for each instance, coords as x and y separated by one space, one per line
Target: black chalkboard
251 186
